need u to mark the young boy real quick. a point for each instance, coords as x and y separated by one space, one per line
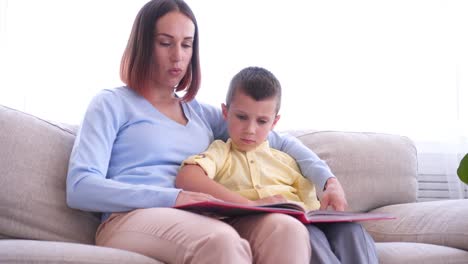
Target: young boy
257 174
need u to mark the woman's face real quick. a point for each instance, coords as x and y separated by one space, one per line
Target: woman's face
172 49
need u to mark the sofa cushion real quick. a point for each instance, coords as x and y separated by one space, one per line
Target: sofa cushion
435 222
410 253
47 252
374 169
34 160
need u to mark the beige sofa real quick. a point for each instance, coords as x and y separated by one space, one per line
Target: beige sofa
378 172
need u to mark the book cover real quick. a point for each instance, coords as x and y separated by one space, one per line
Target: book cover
225 209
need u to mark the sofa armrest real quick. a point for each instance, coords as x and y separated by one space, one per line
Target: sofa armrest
436 222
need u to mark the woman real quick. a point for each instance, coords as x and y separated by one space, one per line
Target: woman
133 139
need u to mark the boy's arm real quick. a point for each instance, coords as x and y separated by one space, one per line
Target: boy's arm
193 178
197 171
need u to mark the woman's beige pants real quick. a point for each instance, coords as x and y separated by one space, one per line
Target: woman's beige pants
176 236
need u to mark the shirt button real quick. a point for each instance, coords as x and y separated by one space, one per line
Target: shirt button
258 186
252 161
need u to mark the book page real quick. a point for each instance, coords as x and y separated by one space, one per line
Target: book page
340 216
221 209
288 205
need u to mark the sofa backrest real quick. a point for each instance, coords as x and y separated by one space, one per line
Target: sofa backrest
375 169
33 166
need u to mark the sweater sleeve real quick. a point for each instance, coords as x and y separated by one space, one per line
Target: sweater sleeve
214 118
87 186
312 167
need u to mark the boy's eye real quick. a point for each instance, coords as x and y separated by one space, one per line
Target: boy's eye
241 117
262 121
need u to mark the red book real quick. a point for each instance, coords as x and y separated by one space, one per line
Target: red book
225 209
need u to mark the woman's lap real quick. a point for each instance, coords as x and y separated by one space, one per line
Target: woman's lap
177 236
174 236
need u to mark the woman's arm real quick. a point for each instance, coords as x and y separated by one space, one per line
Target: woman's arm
333 196
313 168
87 186
311 165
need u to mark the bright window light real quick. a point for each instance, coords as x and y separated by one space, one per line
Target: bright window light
385 66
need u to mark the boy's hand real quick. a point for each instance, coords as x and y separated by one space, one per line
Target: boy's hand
333 196
186 197
268 200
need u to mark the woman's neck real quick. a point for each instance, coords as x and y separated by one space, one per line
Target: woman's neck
159 96
167 103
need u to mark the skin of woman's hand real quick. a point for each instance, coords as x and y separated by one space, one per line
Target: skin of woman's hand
333 196
269 200
186 197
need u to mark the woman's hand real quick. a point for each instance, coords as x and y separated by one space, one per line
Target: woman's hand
186 197
333 196
278 198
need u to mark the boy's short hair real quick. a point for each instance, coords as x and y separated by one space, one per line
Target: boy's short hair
256 82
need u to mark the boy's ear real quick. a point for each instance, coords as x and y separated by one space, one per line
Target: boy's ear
277 117
225 111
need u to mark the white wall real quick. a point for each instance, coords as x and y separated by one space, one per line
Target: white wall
396 66
391 66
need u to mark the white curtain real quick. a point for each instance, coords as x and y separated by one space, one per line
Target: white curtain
438 163
366 65
3 40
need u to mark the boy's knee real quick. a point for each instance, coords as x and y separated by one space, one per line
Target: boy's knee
223 238
285 239
284 226
348 231
224 243
351 229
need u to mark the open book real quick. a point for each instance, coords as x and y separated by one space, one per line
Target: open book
225 209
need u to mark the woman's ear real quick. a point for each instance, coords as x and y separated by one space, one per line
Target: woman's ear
277 117
225 111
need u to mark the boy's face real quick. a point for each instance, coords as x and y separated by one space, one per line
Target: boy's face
249 121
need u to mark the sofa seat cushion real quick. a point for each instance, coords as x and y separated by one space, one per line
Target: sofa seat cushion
34 158
435 222
47 252
410 253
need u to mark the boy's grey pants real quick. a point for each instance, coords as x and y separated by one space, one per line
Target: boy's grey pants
341 243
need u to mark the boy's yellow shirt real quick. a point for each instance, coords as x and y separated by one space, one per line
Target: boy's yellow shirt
256 174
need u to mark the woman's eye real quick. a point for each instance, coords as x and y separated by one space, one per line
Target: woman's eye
165 44
187 45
